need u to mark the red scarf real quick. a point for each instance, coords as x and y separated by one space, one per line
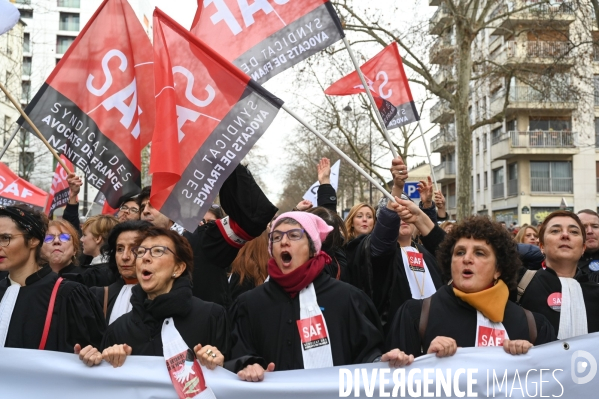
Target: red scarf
301 277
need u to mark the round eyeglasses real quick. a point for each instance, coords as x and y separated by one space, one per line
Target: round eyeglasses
63 237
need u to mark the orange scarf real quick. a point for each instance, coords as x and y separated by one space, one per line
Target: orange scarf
490 302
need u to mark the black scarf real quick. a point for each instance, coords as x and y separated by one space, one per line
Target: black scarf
175 303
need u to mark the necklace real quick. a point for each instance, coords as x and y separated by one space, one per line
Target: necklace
420 287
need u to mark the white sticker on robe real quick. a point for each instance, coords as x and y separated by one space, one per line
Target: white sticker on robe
489 333
313 332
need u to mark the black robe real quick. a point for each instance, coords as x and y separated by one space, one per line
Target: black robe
265 326
77 318
449 316
384 278
546 282
197 321
98 275
113 292
238 288
246 204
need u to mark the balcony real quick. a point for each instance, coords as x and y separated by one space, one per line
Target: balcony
498 191
440 21
552 142
527 98
445 75
445 172
512 187
539 53
442 50
445 140
441 112
551 185
529 14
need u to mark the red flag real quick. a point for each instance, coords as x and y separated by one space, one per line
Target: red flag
59 190
388 83
97 107
210 115
14 190
265 38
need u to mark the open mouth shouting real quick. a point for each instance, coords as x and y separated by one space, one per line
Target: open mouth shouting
467 273
146 274
286 258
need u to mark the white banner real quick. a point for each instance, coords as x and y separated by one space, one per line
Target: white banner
312 192
564 369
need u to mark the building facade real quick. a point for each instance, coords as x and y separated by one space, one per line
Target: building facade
543 154
51 27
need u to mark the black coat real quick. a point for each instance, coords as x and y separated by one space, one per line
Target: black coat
246 204
113 292
265 329
77 317
546 282
449 316
197 321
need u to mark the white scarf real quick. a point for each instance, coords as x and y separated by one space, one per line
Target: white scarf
314 335
6 308
421 284
122 304
183 367
489 333
99 259
573 317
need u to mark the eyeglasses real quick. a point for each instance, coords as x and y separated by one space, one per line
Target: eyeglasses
293 235
125 208
63 237
5 239
155 251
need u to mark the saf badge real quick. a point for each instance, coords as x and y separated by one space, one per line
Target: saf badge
312 332
488 336
416 261
554 301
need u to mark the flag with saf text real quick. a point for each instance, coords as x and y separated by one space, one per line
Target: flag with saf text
209 115
388 84
268 36
97 106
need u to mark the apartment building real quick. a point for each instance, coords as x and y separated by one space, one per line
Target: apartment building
543 154
51 27
11 66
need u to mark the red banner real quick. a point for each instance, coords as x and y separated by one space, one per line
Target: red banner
14 190
97 107
59 190
388 83
269 36
210 115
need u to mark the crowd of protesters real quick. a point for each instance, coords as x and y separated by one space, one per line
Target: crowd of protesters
254 289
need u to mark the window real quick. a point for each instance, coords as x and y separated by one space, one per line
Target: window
596 82
510 125
25 91
26 65
486 182
5 129
69 3
25 163
26 13
68 21
498 183
26 43
548 124
477 145
478 182
484 141
512 179
24 137
63 43
496 135
551 177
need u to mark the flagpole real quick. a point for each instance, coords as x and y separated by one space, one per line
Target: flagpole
39 134
428 155
369 94
10 139
339 152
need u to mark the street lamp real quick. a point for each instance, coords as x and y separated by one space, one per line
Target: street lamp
348 108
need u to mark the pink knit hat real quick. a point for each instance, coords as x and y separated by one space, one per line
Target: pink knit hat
316 228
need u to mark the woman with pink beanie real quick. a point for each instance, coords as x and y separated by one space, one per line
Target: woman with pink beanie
302 318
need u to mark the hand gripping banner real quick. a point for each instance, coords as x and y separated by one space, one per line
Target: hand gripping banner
15 190
267 37
210 114
59 190
388 83
97 106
